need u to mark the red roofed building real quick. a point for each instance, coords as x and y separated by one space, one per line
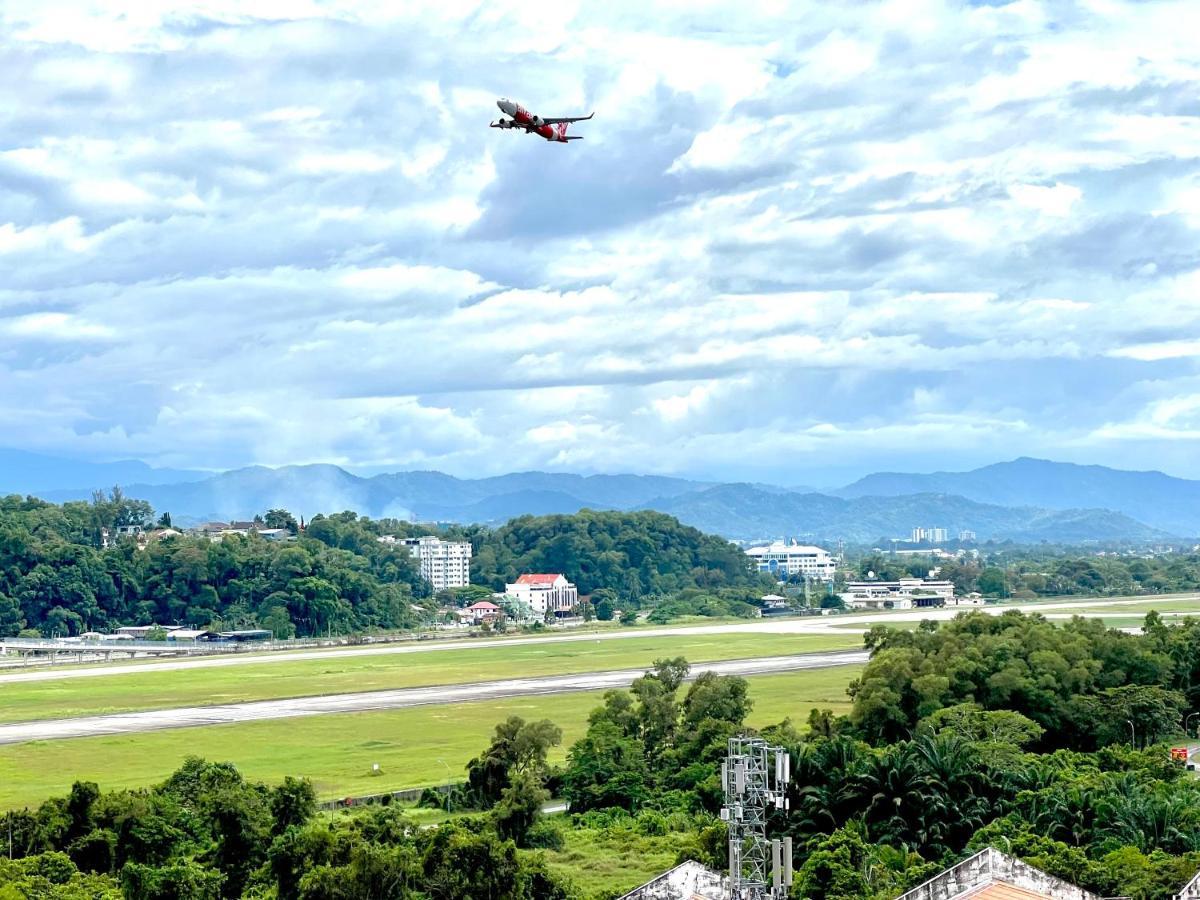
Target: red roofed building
481 612
545 593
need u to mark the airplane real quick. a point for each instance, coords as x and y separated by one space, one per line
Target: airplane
551 129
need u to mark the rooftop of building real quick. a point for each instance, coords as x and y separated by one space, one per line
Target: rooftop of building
539 578
992 875
784 547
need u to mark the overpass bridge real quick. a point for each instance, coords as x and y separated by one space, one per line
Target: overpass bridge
74 650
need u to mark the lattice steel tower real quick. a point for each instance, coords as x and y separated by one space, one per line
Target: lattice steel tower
754 777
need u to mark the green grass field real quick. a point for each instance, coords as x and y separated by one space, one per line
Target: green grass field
598 862
70 697
1096 605
414 747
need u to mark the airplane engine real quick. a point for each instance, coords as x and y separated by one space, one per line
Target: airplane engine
538 122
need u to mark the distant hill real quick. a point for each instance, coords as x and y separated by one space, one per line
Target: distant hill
741 511
1024 500
22 472
428 496
1161 501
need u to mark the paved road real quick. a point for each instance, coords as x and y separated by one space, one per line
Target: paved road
156 720
810 625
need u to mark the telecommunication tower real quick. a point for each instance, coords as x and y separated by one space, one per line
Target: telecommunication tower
754 777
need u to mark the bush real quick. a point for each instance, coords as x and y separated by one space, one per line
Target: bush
545 834
651 823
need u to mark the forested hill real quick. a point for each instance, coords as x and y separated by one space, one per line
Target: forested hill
748 512
633 553
335 577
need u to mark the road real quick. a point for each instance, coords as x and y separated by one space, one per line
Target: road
189 717
810 625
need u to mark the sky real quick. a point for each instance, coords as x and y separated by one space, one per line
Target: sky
799 241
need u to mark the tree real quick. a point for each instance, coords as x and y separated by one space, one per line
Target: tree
713 696
460 862
281 518
517 747
605 768
835 869
1141 714
519 807
605 601
293 803
11 621
178 881
993 582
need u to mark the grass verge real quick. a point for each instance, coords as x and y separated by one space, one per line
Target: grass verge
414 747
101 694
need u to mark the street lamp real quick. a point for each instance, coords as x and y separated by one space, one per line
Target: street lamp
1132 734
448 776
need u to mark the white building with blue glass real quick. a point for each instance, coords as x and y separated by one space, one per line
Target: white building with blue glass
786 560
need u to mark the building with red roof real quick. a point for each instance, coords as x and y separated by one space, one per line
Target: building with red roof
483 611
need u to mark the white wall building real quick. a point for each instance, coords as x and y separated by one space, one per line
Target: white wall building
782 560
444 564
544 593
903 594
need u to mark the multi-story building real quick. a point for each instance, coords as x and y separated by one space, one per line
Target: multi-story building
444 564
545 593
966 535
903 594
784 560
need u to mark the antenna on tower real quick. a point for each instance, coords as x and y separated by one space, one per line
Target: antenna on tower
754 777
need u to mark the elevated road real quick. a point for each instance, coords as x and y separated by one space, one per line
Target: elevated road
195 716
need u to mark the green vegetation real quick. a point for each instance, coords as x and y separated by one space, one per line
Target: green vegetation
415 747
1028 574
58 579
350 672
604 856
990 730
634 554
1080 682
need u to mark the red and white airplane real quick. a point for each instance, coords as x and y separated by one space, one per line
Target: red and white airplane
550 129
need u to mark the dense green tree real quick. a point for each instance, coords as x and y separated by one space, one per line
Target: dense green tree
517 747
519 807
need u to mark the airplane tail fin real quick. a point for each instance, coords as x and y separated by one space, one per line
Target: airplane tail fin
560 131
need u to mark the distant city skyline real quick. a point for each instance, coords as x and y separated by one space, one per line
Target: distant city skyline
799 244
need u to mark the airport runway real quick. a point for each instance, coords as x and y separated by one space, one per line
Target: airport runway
808 625
189 717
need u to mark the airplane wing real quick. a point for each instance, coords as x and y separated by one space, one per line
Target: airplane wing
568 119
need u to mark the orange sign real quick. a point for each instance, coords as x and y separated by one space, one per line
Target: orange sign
1180 753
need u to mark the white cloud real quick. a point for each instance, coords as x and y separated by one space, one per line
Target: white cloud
793 236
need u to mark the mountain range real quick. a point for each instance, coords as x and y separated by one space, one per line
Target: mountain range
1025 500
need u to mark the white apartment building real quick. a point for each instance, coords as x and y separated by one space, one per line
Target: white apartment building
545 593
903 594
783 560
444 564
932 535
